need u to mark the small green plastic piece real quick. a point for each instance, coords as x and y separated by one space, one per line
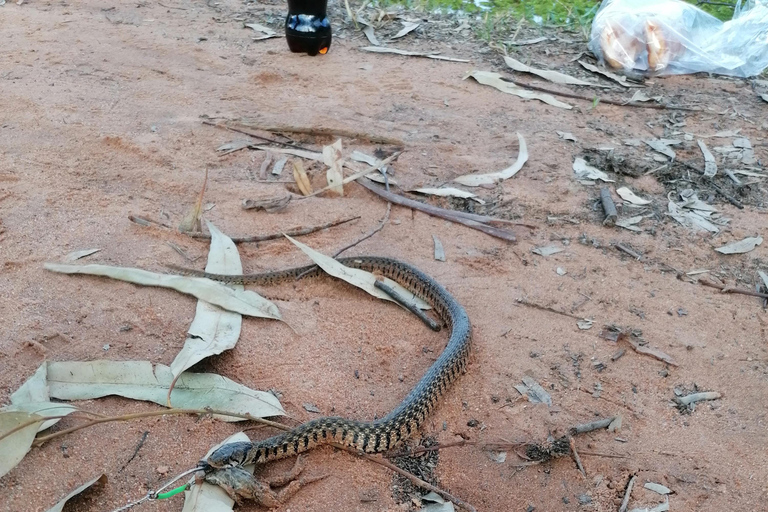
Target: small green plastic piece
172 492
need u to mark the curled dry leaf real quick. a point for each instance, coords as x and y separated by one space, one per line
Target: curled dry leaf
191 221
302 180
58 507
494 80
408 27
741 246
244 302
269 205
710 165
138 380
334 175
356 277
626 194
475 180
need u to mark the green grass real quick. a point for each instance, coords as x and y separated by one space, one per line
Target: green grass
575 14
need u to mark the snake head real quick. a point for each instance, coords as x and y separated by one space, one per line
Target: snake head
227 456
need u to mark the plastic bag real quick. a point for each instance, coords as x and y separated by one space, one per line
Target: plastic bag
671 37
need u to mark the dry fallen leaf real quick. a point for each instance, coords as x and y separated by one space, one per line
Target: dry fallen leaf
710 165
244 302
475 180
626 194
546 74
382 49
58 507
585 171
191 221
213 330
302 180
138 380
356 277
334 175
408 27
15 446
494 80
32 397
741 247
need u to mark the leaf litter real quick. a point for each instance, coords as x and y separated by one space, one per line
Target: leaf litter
59 507
213 330
138 380
741 247
245 302
546 74
356 277
494 80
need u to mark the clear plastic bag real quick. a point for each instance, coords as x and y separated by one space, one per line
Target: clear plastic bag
671 37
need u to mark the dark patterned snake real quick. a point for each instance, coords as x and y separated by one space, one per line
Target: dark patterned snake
367 436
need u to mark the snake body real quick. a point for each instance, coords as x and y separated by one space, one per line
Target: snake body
367 436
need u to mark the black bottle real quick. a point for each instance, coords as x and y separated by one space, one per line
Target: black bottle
307 28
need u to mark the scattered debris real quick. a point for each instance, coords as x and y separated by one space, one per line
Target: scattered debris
552 76
629 223
547 251
76 255
302 180
566 136
593 425
408 27
449 192
626 194
310 408
533 390
657 488
627 494
687 403
382 49
277 169
662 146
475 180
495 80
621 80
609 207
269 205
262 31
191 221
439 251
710 166
585 172
740 247
334 174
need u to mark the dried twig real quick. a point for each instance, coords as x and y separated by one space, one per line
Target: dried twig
255 238
525 302
368 235
135 451
457 217
589 427
576 458
602 100
254 135
728 289
625 501
324 132
629 251
697 397
413 478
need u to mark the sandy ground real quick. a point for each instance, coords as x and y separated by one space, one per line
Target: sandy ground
100 118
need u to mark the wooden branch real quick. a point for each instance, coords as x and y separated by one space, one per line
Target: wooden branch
465 219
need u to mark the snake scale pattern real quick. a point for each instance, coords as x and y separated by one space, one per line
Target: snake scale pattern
367 436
